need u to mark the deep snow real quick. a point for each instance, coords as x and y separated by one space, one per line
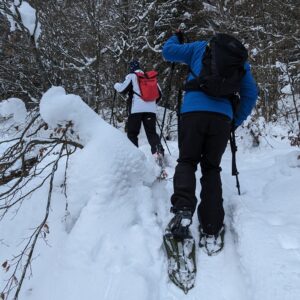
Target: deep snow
109 245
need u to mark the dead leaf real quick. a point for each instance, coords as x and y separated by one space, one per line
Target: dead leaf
46 228
4 265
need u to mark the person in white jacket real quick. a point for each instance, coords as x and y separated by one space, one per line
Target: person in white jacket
140 111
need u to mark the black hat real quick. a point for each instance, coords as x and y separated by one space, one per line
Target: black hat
134 65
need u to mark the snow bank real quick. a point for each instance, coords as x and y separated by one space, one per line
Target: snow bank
58 108
113 239
13 107
110 238
108 159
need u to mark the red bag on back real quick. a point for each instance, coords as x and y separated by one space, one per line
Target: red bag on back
148 85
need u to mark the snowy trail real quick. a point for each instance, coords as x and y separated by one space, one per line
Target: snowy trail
219 277
261 257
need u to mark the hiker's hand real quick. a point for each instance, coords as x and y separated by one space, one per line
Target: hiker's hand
180 35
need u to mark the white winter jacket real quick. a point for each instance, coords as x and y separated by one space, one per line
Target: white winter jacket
138 104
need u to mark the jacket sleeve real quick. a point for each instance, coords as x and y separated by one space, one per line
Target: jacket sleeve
248 94
122 87
176 52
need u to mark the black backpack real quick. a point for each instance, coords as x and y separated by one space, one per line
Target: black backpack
223 67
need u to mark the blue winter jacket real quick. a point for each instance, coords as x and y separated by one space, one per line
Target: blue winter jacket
191 54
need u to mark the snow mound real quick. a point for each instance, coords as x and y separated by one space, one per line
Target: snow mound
111 224
13 107
58 108
109 161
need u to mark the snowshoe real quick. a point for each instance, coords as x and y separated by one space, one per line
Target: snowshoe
160 160
163 175
212 244
180 250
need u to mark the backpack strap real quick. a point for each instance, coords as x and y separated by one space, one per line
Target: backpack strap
196 84
133 89
192 72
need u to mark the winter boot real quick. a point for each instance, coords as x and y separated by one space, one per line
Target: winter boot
179 224
212 244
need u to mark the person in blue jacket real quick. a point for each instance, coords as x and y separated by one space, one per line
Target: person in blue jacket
205 124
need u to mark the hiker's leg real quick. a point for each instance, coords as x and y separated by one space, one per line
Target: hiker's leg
133 127
149 122
210 210
190 145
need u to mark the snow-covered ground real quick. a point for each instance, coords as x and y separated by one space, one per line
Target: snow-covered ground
110 245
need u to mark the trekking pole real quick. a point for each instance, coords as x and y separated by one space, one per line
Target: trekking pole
163 137
167 99
112 109
233 147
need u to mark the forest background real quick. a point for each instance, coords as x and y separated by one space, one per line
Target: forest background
85 46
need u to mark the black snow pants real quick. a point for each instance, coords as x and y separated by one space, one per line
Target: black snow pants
203 137
149 121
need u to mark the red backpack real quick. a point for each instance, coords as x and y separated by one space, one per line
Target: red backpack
148 85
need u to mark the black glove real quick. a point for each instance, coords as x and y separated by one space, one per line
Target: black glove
234 127
180 36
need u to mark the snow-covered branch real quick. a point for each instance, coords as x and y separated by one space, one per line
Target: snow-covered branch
29 162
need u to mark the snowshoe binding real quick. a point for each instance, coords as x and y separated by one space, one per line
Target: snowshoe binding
212 244
180 249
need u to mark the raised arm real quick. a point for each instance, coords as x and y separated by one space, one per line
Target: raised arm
176 52
121 87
